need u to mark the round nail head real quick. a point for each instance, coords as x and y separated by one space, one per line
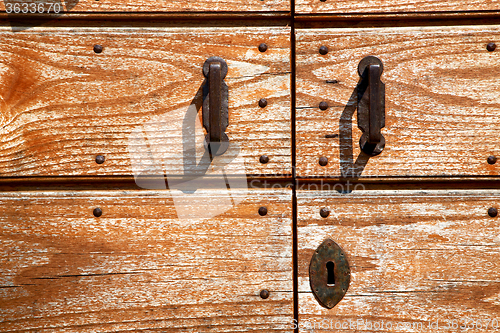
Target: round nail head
323 50
491 47
262 211
100 159
97 212
323 105
323 161
493 212
264 159
324 212
263 103
492 159
264 293
263 47
98 48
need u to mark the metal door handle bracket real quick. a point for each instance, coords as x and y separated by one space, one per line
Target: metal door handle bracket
371 105
215 105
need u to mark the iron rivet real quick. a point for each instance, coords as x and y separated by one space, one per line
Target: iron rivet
493 212
262 211
263 47
324 212
263 103
98 48
491 47
264 159
264 293
323 50
323 161
97 212
323 105
100 159
492 159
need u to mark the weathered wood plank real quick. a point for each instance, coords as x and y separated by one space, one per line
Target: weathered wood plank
139 266
392 6
156 6
138 102
442 101
415 257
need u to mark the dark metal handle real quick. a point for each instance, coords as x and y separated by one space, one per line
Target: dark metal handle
371 105
215 105
215 83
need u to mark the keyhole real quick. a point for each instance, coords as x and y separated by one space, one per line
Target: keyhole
330 268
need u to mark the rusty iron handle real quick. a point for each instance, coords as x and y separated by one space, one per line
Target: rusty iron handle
371 105
374 134
215 84
215 106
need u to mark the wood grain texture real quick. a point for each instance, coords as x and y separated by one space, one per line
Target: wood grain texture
392 6
442 101
161 6
141 267
138 102
415 257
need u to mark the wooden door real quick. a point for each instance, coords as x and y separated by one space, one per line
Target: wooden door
116 215
421 261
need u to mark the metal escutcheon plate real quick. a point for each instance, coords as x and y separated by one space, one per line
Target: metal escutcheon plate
327 259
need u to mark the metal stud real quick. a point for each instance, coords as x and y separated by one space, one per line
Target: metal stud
323 50
323 106
491 47
264 294
323 161
98 48
492 159
262 211
262 102
263 47
100 159
264 159
97 212
493 212
324 212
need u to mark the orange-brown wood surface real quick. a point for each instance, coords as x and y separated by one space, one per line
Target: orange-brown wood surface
392 6
138 102
146 6
163 261
442 101
415 257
